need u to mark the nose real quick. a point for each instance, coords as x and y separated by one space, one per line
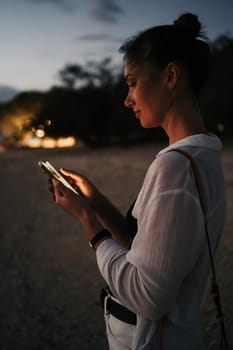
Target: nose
129 101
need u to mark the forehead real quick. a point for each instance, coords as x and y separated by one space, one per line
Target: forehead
132 69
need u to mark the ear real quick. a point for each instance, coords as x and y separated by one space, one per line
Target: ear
173 73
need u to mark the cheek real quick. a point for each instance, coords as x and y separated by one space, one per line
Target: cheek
141 97
156 108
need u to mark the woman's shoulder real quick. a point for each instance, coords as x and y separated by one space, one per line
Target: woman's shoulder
169 162
168 173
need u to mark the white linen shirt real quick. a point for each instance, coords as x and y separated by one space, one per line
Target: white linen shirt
166 271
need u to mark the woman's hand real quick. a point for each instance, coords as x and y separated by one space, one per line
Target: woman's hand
77 206
70 202
92 209
82 185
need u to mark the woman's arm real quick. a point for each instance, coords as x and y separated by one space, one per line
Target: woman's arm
112 219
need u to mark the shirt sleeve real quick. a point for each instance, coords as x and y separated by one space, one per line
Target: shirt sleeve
170 235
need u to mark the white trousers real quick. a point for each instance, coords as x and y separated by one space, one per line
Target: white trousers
119 334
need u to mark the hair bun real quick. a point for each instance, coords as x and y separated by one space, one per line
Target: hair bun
190 22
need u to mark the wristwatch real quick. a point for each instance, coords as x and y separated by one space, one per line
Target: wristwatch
103 233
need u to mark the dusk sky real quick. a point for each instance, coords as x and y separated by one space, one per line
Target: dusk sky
38 37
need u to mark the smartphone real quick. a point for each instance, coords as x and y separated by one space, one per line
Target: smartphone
50 171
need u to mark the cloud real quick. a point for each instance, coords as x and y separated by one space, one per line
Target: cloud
99 37
94 37
106 11
64 5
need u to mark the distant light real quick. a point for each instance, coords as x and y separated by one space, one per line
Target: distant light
66 142
36 140
40 133
31 142
47 122
48 142
220 127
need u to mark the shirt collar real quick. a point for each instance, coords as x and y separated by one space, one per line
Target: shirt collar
209 141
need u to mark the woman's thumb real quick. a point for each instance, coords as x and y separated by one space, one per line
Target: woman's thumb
69 173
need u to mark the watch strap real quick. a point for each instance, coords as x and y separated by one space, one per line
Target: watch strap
103 233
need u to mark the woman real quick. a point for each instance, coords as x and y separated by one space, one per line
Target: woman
156 262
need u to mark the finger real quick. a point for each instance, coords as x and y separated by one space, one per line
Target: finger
51 189
72 174
56 188
55 183
59 189
82 185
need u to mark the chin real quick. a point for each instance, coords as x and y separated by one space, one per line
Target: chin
147 125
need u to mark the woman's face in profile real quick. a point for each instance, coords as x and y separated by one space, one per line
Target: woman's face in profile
147 94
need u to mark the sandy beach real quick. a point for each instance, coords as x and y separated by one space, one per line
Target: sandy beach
49 291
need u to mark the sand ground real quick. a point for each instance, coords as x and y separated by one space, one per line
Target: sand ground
49 279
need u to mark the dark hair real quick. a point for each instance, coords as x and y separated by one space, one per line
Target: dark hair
183 42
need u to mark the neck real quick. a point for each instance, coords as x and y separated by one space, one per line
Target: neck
183 120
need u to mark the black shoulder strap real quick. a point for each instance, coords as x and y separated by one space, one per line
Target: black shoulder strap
215 287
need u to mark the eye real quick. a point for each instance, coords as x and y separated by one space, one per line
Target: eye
133 84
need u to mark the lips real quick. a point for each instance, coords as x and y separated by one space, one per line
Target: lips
137 113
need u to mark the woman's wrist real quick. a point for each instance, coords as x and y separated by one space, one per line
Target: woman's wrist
90 223
98 238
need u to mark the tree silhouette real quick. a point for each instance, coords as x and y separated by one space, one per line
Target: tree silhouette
217 100
72 73
98 74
